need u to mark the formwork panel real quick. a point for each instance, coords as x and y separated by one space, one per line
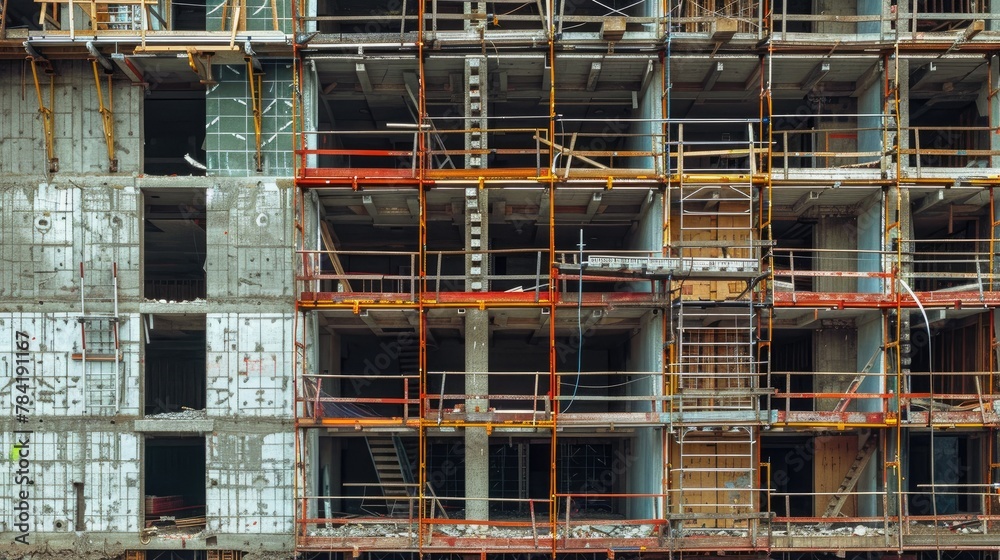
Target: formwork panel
249 483
249 373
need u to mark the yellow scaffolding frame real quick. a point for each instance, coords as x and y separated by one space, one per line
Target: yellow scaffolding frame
48 116
107 117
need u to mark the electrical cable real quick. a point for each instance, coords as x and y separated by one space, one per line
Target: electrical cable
930 409
579 329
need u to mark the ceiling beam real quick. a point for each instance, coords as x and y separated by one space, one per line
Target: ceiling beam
815 76
919 74
595 74
363 79
867 79
594 205
369 205
713 76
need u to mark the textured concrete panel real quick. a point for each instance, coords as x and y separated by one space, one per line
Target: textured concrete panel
249 364
57 384
249 242
106 464
78 129
250 480
46 230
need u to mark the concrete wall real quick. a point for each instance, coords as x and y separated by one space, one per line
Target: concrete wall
102 457
48 228
249 483
249 241
58 383
838 239
78 127
835 349
249 364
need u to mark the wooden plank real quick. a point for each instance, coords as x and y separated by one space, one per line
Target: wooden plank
331 251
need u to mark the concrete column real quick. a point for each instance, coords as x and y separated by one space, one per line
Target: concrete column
870 103
835 348
834 7
836 233
477 457
869 339
872 7
477 206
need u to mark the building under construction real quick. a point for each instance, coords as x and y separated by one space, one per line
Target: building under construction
580 279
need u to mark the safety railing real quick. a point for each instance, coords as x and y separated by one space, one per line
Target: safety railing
826 147
615 147
955 146
826 270
368 397
365 509
73 16
366 272
960 513
949 17
444 517
742 16
915 19
595 514
949 265
372 154
938 397
931 265
522 396
358 272
528 271
845 25
714 147
793 522
520 147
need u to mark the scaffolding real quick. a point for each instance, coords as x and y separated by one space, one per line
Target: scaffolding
726 273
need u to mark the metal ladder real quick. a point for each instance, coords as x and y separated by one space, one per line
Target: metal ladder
730 203
715 478
717 387
716 468
100 347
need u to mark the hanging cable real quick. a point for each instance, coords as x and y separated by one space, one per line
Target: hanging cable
930 409
579 328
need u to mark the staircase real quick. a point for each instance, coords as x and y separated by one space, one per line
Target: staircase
100 351
394 470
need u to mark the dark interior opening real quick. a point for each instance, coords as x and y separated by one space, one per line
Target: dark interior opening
175 363
957 469
174 245
175 482
174 126
791 359
791 461
189 15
